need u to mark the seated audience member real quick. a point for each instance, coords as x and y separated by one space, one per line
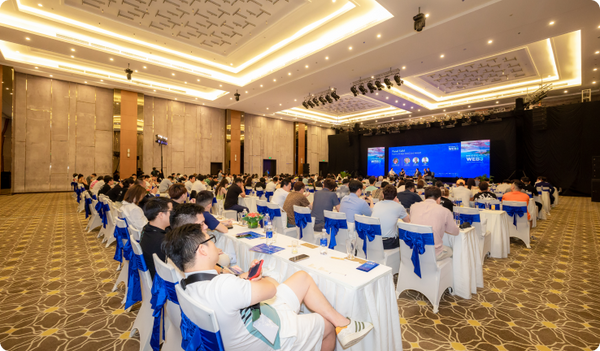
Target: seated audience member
190 183
484 193
431 213
192 213
157 211
221 189
272 185
204 199
504 186
445 201
232 298
81 180
324 200
401 186
178 193
378 194
260 185
231 198
389 211
408 196
90 179
297 198
281 194
319 182
165 184
461 193
131 210
354 204
343 190
371 188
543 182
420 187
517 195
199 184
108 184
97 185
117 193
527 186
470 184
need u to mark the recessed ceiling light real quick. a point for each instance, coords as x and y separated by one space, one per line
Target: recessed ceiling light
72 56
442 55
51 76
112 59
172 74
326 57
306 66
220 85
350 48
183 82
289 73
444 110
202 103
378 35
387 97
396 101
267 108
489 41
175 98
136 70
419 110
411 107
469 106
36 68
376 93
72 49
40 5
27 38
551 23
426 15
497 102
230 98
196 98
403 104
274 80
197 80
597 52
594 82
566 91
145 67
279 104
155 90
231 64
261 85
246 92
403 67
102 80
297 100
85 82
595 69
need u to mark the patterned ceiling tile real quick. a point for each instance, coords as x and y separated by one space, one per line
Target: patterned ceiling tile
214 25
348 104
499 69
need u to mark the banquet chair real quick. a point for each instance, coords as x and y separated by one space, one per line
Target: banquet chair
472 216
110 237
546 203
519 224
279 222
435 276
305 227
344 229
143 321
171 312
107 229
81 205
374 246
198 320
95 220
317 188
124 265
230 214
248 190
482 202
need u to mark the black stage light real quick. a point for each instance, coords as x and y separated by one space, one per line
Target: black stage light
322 99
379 85
336 96
419 21
305 105
398 80
354 90
362 89
371 87
237 96
129 72
328 98
310 104
388 82
315 101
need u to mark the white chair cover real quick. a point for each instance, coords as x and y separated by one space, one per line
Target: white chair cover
143 321
279 223
308 233
342 234
436 276
95 220
521 230
172 313
124 266
483 235
375 251
198 314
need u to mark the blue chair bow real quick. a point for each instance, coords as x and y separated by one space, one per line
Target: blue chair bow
469 218
263 210
417 242
88 202
274 212
311 190
333 226
134 285
302 219
94 197
195 338
259 193
268 195
78 191
120 234
248 191
458 202
367 231
162 291
480 205
74 185
515 211
100 209
214 201
106 209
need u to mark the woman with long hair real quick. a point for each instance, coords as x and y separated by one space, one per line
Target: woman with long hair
221 189
131 209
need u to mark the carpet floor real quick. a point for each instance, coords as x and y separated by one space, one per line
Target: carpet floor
56 285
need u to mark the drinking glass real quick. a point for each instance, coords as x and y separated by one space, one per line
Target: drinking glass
240 217
294 246
350 248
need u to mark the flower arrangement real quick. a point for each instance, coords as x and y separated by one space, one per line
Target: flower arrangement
253 218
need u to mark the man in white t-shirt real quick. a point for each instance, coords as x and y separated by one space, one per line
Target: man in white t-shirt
190 183
199 185
239 303
462 193
272 185
282 193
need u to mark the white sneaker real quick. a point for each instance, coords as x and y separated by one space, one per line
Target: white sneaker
353 332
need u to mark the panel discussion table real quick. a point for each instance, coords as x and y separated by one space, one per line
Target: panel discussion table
364 296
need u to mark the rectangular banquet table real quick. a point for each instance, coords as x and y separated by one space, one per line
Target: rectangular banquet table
497 225
466 262
359 295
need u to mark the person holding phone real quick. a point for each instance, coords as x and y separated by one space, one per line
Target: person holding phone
240 303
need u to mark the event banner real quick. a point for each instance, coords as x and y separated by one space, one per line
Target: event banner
467 159
376 161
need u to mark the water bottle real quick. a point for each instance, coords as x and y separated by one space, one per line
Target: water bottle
266 221
269 231
323 242
244 214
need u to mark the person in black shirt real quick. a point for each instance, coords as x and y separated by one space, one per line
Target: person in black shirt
445 201
408 196
484 194
261 184
158 211
529 187
117 193
231 198
108 183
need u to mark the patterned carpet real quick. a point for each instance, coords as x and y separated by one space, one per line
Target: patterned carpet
56 280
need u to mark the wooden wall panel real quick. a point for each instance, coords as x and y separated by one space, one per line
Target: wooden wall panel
235 146
128 143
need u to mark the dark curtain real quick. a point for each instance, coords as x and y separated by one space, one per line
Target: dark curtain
563 152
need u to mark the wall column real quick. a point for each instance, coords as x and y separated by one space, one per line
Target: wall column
235 147
128 149
301 149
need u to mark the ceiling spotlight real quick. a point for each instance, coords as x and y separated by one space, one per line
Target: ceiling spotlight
388 82
305 105
329 99
322 99
362 89
335 95
419 21
398 80
310 103
379 85
129 72
354 90
371 87
237 96
315 101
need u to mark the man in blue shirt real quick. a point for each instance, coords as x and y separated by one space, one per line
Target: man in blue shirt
408 196
324 200
353 204
389 211
204 199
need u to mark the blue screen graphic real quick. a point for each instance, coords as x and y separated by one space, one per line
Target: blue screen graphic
376 161
467 159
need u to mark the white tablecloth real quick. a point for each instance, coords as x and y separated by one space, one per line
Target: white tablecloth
533 211
497 225
248 201
466 262
359 295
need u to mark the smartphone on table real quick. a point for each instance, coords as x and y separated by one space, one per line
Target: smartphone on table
299 258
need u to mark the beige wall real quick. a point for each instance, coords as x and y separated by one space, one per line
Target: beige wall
268 137
196 136
60 128
318 146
